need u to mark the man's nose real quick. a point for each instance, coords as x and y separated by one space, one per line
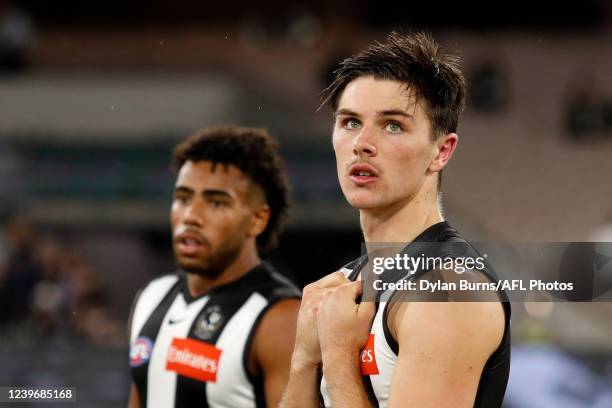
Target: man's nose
364 143
194 214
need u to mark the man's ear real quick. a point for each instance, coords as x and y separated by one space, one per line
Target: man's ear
445 147
260 219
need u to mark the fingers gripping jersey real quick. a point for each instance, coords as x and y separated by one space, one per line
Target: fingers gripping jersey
193 352
379 356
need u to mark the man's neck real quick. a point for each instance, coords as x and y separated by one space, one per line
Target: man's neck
403 221
244 262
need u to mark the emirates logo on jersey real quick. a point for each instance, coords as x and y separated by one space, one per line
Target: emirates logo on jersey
194 359
368 358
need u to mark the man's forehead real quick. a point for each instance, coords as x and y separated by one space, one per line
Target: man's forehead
209 166
205 172
378 95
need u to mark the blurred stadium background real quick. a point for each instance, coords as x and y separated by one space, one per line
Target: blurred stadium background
94 94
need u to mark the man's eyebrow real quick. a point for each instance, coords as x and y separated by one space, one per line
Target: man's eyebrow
389 112
345 112
183 189
214 192
395 112
205 193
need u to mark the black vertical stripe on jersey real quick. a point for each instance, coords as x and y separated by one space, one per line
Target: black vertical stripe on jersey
151 330
191 392
260 392
388 336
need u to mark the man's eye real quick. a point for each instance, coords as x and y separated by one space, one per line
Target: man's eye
352 124
393 127
218 203
180 199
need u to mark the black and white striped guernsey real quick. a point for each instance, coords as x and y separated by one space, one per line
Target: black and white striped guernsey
193 352
384 348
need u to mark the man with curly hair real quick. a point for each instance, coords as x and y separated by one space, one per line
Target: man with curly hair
220 332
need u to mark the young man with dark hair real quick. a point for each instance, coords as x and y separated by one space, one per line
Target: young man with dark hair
396 109
221 331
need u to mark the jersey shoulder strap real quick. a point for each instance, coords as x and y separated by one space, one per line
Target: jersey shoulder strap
147 299
272 285
351 270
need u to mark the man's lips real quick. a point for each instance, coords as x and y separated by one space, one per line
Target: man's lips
189 242
362 174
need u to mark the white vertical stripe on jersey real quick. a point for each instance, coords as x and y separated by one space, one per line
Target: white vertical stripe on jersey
148 301
233 389
162 383
347 272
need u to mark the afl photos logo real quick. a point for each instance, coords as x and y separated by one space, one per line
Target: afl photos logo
140 352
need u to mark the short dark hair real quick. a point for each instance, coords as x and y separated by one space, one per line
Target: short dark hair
255 153
416 60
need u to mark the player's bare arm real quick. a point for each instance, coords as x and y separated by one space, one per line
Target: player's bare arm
344 325
272 347
303 386
134 398
443 347
134 401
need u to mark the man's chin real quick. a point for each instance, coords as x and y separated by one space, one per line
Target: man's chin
362 199
361 202
207 265
194 267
